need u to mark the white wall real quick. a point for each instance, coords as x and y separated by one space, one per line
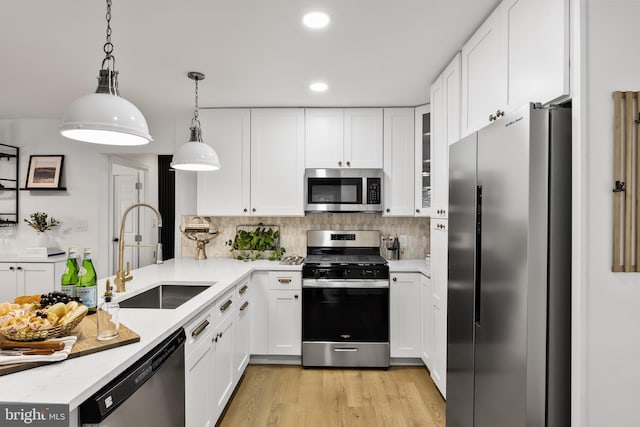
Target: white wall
86 176
613 300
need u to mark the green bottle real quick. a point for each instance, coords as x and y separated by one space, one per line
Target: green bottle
69 279
87 288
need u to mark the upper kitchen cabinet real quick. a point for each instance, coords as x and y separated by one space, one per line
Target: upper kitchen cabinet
519 54
399 162
484 75
423 155
343 138
537 34
226 192
277 161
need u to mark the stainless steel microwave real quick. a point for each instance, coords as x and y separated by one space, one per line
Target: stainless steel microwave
343 190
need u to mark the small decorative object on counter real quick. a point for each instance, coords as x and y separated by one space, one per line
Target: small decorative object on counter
69 279
87 288
108 316
256 242
201 233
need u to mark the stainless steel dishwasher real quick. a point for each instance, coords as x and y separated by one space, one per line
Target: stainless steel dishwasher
150 392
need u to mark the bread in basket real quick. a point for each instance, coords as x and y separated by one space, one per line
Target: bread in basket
28 322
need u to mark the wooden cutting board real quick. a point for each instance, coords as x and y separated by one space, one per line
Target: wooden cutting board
87 343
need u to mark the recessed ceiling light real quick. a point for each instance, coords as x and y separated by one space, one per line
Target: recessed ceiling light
316 20
318 86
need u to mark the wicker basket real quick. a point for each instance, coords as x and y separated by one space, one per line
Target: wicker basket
28 334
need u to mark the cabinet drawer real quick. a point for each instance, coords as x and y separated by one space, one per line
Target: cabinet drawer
224 306
198 328
285 280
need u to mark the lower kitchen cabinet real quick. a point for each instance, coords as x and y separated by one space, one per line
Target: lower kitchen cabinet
222 366
28 278
285 322
197 396
242 327
439 266
427 322
405 298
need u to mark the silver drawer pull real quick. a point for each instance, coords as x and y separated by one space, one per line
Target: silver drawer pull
198 329
345 349
284 280
243 289
224 306
244 306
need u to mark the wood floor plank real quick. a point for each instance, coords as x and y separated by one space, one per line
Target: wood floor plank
289 396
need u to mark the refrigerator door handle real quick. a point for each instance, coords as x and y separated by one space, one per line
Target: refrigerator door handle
478 250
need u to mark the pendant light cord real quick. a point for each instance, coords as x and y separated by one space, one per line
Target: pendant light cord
108 80
195 122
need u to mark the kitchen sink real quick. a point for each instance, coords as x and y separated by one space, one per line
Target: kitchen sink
164 296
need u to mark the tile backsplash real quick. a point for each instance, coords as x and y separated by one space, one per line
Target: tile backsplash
293 231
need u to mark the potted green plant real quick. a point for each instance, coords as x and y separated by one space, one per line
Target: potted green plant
41 222
263 242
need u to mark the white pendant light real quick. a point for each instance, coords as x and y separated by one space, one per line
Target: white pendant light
104 117
195 155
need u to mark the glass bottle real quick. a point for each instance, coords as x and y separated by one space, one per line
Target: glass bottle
69 279
87 288
108 316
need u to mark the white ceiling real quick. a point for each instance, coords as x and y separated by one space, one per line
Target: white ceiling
253 52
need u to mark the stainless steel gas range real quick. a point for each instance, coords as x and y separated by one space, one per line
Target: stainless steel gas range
345 300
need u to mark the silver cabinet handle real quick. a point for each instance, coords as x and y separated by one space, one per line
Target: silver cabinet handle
224 306
340 163
417 210
243 289
284 280
244 306
198 329
12 268
492 117
395 279
295 296
348 163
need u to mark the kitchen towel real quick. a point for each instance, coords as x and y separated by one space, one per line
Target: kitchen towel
55 357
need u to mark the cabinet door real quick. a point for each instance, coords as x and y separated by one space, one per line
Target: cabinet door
197 398
324 137
439 265
439 172
222 365
241 336
259 299
8 282
285 322
35 278
537 46
363 138
226 191
422 153
427 322
406 314
277 161
451 100
484 85
399 162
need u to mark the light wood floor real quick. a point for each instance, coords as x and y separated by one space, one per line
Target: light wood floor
291 396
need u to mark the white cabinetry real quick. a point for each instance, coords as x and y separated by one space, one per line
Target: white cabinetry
276 317
277 161
242 327
28 278
423 155
484 73
405 311
439 265
285 313
399 162
519 54
427 321
222 367
337 138
226 191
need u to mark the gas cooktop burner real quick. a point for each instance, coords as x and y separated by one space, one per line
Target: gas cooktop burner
328 260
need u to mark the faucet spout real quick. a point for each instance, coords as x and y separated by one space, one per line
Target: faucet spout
122 276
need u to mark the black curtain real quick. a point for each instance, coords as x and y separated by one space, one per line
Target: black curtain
167 205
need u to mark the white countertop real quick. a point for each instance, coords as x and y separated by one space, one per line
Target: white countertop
72 381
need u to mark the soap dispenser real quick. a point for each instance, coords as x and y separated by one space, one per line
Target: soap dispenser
108 316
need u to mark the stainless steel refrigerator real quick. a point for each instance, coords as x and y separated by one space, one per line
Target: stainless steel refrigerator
509 282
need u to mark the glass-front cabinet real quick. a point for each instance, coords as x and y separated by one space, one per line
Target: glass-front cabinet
9 157
424 155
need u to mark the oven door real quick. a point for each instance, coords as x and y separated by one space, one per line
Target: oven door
345 311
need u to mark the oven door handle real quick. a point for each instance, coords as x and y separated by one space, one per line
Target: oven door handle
328 283
342 349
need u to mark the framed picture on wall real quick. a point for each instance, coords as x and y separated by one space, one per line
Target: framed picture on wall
45 171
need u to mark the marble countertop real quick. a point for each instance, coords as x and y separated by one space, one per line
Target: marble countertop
72 381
